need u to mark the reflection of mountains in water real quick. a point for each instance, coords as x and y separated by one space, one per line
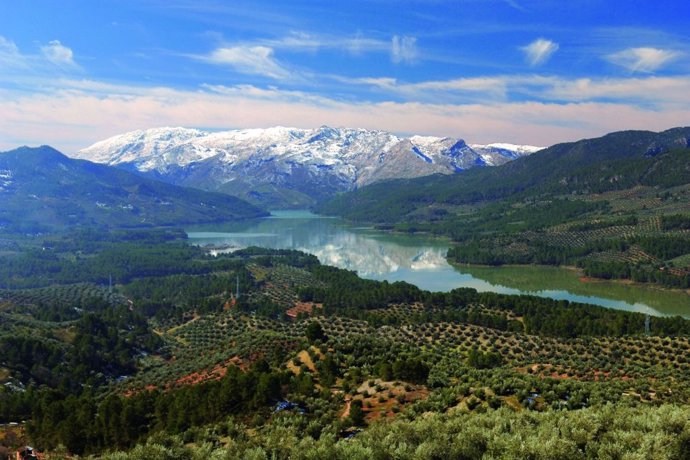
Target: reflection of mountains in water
336 245
422 262
370 257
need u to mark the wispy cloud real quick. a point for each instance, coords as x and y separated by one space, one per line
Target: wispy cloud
643 59
539 51
10 57
58 54
252 60
404 49
355 44
259 56
360 44
297 41
54 57
301 41
271 93
515 5
656 92
460 89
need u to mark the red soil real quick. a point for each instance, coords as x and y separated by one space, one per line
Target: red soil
302 307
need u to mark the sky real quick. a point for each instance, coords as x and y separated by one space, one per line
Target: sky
533 72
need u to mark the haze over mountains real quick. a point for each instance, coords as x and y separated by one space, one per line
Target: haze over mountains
288 167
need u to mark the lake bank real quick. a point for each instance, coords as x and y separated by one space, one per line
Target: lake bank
420 260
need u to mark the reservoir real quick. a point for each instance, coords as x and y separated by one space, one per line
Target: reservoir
420 260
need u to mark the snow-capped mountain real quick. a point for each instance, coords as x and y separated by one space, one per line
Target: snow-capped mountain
290 167
503 152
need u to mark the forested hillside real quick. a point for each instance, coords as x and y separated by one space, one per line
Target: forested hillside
173 362
42 190
615 206
578 167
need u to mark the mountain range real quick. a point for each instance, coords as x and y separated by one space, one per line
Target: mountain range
41 189
288 167
616 161
617 207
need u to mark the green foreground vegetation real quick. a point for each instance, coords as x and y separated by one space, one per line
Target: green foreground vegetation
311 361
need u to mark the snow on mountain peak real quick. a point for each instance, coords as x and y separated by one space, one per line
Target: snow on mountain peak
528 149
499 152
325 158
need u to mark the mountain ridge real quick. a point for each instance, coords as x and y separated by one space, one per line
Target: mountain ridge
616 206
40 189
290 167
560 168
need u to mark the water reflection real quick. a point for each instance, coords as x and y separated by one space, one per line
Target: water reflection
421 261
366 251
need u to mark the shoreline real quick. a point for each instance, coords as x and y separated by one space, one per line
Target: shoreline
582 278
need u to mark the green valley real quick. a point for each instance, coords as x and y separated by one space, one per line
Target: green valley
356 230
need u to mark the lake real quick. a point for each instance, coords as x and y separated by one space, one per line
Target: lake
420 260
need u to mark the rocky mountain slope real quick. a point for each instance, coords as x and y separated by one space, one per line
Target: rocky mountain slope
287 167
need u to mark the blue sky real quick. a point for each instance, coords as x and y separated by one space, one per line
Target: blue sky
522 71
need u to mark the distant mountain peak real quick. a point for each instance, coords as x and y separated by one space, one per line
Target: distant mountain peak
296 165
40 150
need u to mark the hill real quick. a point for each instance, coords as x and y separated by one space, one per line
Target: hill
40 189
617 206
288 167
565 168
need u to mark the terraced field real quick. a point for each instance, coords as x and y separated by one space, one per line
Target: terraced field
79 295
371 351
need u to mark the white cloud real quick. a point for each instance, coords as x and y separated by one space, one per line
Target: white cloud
83 112
18 66
270 93
490 88
379 82
259 57
302 41
403 49
514 4
58 54
658 92
252 60
479 84
539 51
9 54
299 41
654 92
359 44
643 59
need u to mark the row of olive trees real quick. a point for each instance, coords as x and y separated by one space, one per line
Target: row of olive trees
607 432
